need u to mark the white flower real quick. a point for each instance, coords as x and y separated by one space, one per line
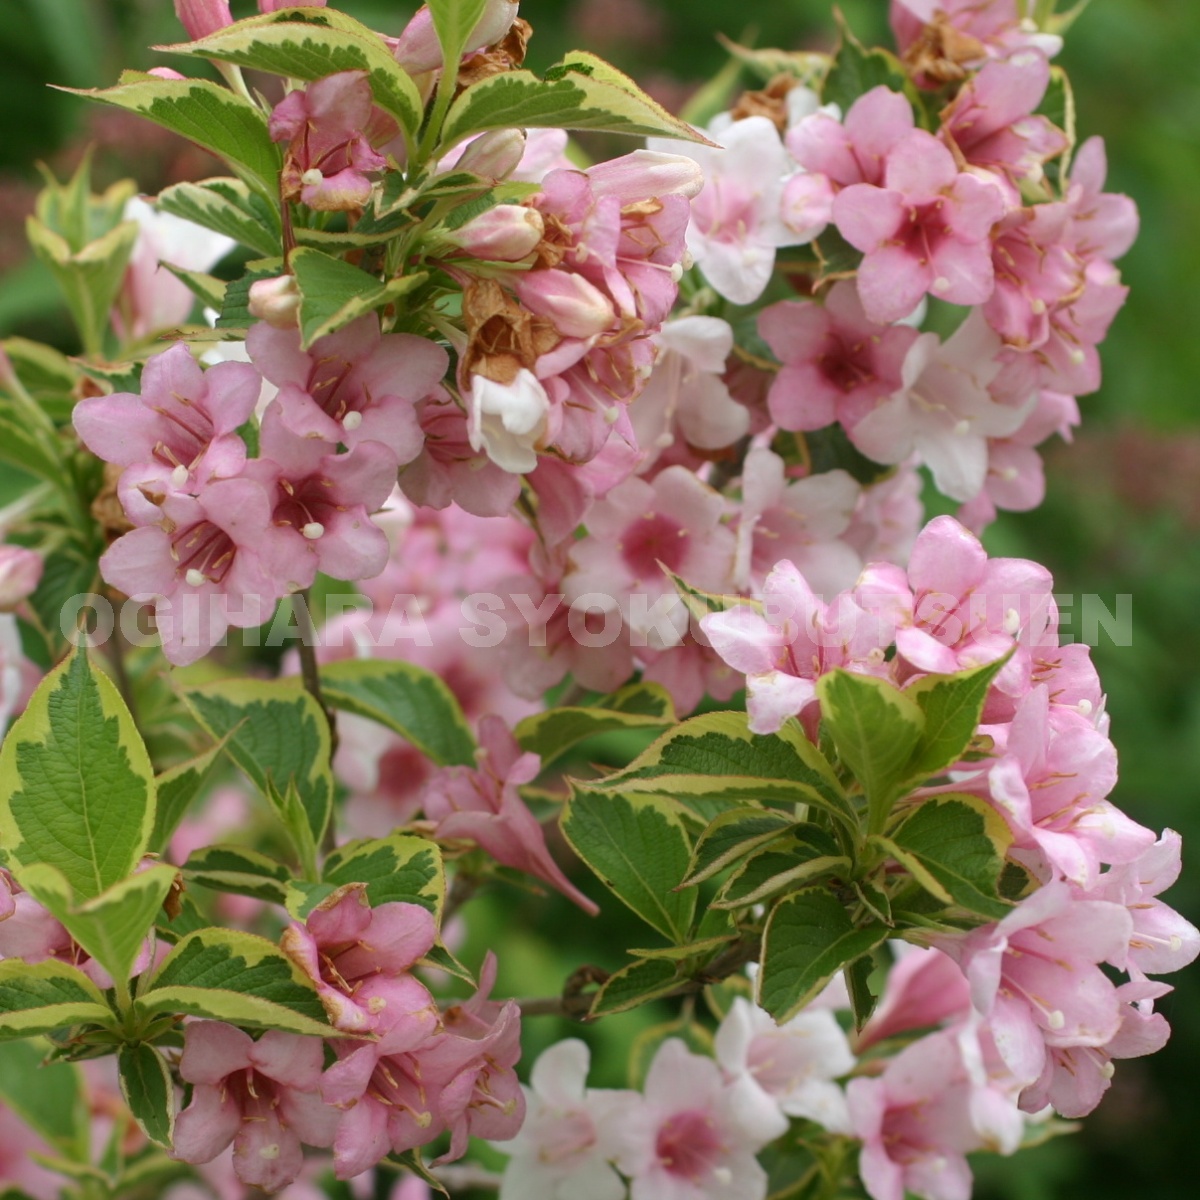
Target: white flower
506 421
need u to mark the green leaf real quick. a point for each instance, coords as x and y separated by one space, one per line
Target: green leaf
226 206
637 984
211 116
856 71
208 289
876 728
148 1090
27 448
410 701
277 734
960 841
333 292
40 997
581 92
952 706
733 835
308 48
76 786
235 977
638 706
639 849
239 870
700 948
794 861
90 278
809 937
454 21
177 788
51 1101
111 927
397 867
862 999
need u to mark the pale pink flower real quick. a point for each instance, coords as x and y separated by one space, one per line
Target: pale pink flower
202 17
689 1139
505 233
20 573
18 1167
999 25
571 1132
260 1095
417 49
673 520
924 987
737 219
787 1070
925 231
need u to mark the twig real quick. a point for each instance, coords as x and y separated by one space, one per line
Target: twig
309 671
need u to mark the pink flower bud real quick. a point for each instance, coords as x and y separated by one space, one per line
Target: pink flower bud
494 155
418 50
165 73
643 173
577 308
276 301
506 233
202 17
20 573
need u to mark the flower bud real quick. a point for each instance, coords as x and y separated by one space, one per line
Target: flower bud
202 17
276 301
418 50
506 233
20 573
494 155
576 307
646 173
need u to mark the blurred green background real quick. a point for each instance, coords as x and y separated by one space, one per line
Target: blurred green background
1122 516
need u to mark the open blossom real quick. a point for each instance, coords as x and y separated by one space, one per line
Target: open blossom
322 501
689 1138
640 527
924 987
359 958
178 434
261 1096
571 1133
215 560
483 805
837 364
921 1117
785 649
787 1070
924 231
508 420
351 386
737 219
330 126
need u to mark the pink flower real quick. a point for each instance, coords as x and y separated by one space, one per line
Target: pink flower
1051 786
996 26
18 1167
924 987
417 49
797 638
992 125
919 1120
836 364
202 17
20 573
801 520
853 150
215 560
787 1070
359 958
505 233
1103 224
352 386
483 805
322 501
262 1096
675 521
737 219
330 126
689 1139
178 434
570 1133
926 230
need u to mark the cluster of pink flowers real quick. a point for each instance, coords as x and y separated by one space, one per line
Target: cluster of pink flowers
422 1073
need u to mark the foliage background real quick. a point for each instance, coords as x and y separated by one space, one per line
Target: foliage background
1122 515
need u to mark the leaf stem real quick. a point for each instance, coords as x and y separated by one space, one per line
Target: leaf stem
309 671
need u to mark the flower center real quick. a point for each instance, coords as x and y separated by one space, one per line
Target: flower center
652 540
689 1146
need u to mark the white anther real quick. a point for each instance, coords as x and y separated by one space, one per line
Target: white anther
313 530
312 177
179 476
195 578
351 421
